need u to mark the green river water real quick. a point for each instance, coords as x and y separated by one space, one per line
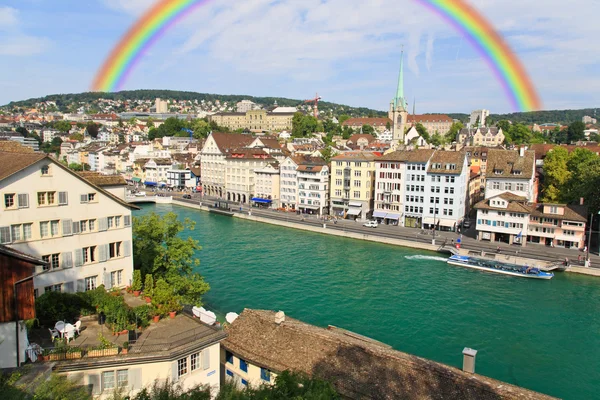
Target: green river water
542 335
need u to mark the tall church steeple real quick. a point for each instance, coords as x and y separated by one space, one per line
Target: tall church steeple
398 109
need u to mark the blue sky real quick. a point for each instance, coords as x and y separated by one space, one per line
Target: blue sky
347 50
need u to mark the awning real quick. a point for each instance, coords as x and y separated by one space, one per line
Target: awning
379 214
136 179
355 204
393 216
428 220
148 183
258 200
162 184
447 223
354 211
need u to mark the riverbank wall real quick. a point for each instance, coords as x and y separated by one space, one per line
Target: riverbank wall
380 239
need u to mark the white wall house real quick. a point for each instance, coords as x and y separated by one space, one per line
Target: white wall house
313 186
81 230
267 186
511 171
288 184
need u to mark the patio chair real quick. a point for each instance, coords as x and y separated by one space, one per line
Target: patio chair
60 327
78 327
54 333
69 332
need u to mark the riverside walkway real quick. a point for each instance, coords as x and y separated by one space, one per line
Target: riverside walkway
468 241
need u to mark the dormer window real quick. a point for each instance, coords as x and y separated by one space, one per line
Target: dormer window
553 210
497 171
517 172
45 170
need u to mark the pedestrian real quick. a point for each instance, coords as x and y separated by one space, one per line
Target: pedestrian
579 258
585 249
498 249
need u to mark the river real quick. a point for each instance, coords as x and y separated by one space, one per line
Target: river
542 335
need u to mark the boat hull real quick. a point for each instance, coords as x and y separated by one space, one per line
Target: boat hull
460 263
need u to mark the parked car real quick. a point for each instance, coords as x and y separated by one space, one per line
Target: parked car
187 196
371 224
466 223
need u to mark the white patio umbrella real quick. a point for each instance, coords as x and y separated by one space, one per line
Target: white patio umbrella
230 317
208 317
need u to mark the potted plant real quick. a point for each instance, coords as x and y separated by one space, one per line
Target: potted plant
148 287
125 348
153 313
173 305
73 353
105 348
45 356
136 285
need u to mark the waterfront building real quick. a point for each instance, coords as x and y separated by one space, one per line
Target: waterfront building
155 171
254 120
434 123
313 186
513 219
352 184
267 186
212 159
262 344
240 165
488 137
180 178
423 188
289 182
80 229
511 171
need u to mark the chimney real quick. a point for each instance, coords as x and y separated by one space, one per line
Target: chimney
469 360
522 151
279 317
581 201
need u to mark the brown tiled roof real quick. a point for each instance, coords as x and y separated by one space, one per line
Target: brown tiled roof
10 146
310 168
358 367
11 163
228 141
270 142
572 212
356 156
509 161
515 203
307 160
245 153
429 118
541 150
412 156
447 157
367 121
354 138
103 180
196 170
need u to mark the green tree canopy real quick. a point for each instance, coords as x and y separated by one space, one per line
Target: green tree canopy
62 125
455 128
303 125
369 130
423 132
92 129
160 249
575 132
556 174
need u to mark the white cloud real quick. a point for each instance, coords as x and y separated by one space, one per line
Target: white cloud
133 7
9 17
22 45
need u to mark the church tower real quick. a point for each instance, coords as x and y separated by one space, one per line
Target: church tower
398 109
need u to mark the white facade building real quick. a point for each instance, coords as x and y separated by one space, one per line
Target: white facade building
288 183
267 187
511 171
478 118
313 186
80 229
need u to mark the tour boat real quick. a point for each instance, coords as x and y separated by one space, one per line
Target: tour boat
498 267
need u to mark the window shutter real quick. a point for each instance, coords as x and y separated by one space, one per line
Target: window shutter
127 248
94 384
102 224
63 198
67 227
127 220
78 257
23 200
66 260
81 285
107 281
174 377
102 252
206 359
135 378
69 287
76 228
5 234
84 198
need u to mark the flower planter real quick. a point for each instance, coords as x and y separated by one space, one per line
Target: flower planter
148 300
156 318
44 358
58 356
172 314
136 293
124 332
124 351
103 352
73 356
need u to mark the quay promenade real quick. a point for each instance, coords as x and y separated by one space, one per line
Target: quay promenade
408 237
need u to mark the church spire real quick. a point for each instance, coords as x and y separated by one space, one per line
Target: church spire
399 100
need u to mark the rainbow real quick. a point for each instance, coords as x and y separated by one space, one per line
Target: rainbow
505 65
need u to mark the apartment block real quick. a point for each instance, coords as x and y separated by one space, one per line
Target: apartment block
353 184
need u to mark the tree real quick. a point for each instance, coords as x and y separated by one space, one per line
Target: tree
581 166
504 125
519 134
556 174
92 129
342 118
455 128
76 136
369 130
388 125
423 132
150 123
303 125
327 153
437 139
575 132
76 167
62 125
22 131
347 132
159 249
